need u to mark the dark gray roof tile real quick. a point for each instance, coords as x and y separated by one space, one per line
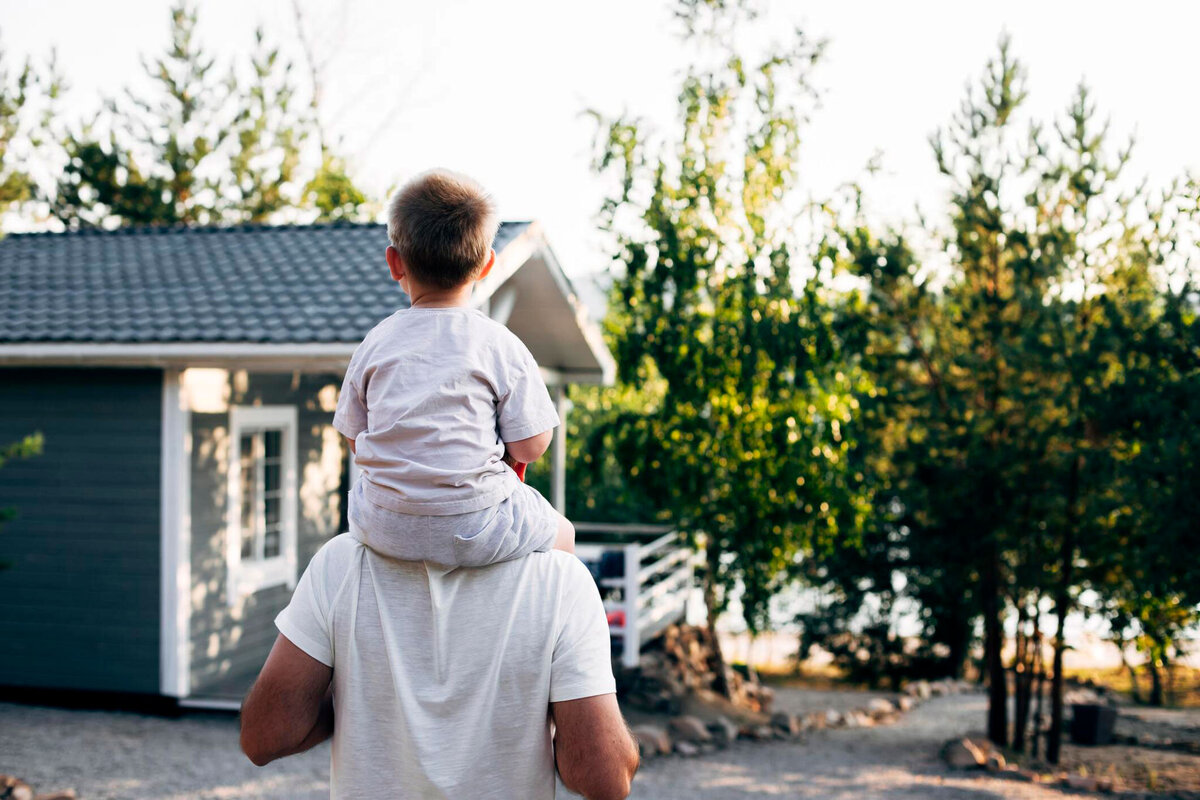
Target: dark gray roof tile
302 283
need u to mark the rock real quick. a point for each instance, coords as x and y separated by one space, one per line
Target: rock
834 718
963 754
1083 783
689 729
995 762
687 749
858 718
919 689
816 721
939 689
652 740
785 723
14 788
758 733
878 708
723 731
905 703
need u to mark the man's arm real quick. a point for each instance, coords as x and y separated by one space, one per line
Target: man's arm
290 707
593 749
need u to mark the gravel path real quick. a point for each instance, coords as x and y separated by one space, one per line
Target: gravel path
895 761
106 756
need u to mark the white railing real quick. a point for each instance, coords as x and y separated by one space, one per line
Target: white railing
655 584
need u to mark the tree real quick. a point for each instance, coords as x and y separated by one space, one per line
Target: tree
744 448
996 457
28 101
207 145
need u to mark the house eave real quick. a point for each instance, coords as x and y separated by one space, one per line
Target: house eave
284 356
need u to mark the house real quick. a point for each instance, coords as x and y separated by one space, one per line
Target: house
184 381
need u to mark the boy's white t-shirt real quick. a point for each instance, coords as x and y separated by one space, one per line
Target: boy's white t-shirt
430 398
443 676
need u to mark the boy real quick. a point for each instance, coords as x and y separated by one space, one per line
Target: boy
439 399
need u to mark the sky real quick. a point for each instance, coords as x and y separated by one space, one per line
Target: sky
499 90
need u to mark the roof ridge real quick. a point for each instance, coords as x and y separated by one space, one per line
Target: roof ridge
244 227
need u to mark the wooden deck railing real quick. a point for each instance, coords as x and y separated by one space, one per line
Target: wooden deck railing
653 580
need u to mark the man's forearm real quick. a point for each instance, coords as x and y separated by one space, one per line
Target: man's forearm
322 729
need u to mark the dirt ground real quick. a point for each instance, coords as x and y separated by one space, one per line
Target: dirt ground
124 756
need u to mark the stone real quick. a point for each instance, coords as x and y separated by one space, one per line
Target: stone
762 733
995 762
1083 783
785 723
816 721
834 718
939 689
919 689
905 703
652 740
878 708
14 788
723 731
963 754
687 749
689 729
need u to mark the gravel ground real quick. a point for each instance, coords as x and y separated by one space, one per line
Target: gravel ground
105 755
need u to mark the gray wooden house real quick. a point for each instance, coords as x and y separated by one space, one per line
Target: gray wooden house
184 381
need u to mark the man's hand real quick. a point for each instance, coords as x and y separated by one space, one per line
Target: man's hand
593 750
290 707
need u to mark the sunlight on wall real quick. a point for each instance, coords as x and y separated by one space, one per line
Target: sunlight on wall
319 498
207 390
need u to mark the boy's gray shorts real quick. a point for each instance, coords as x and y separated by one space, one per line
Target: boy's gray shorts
521 524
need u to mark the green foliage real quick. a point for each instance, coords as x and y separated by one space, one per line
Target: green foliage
744 446
206 145
28 100
1033 428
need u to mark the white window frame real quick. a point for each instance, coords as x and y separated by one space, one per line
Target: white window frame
246 578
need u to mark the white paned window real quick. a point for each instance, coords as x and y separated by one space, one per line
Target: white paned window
261 545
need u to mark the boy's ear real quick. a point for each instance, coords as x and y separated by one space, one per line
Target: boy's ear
491 262
395 263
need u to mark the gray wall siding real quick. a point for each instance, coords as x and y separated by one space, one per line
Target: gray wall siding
79 604
230 643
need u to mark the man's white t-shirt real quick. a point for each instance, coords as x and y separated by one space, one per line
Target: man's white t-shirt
443 677
430 397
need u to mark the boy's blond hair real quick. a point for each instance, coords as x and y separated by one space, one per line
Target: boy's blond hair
443 225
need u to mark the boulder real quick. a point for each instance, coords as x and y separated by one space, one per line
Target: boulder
995 762
652 740
1083 783
14 788
963 754
905 703
785 723
759 733
816 720
687 749
723 731
879 708
919 689
834 718
689 729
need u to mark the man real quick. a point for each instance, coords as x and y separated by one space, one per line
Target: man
448 683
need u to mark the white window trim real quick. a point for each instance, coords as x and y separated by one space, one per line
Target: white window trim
246 579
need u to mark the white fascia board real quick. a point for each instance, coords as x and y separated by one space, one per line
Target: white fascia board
285 356
592 335
508 261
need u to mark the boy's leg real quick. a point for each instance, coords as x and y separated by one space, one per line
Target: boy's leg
565 540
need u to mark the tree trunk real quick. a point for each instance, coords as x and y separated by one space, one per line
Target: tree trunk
1156 682
993 631
1134 690
1038 716
712 563
1023 680
1062 601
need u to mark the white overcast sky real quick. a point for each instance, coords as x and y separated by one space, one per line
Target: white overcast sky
496 89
